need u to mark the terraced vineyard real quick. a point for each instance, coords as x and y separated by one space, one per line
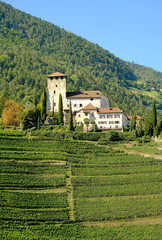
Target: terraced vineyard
76 190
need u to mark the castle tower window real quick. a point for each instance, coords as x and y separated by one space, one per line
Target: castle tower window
54 92
56 85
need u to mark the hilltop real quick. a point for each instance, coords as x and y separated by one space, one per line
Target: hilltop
32 48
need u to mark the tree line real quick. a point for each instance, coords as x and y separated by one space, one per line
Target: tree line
14 114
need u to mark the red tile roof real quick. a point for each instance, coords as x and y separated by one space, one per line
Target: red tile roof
84 94
57 74
89 107
109 110
137 117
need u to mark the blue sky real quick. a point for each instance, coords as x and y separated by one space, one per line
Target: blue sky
130 29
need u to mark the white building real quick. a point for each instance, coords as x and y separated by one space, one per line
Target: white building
105 118
56 84
91 105
81 99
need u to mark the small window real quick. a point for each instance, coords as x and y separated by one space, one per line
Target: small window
116 122
56 85
80 105
86 114
91 99
75 105
54 92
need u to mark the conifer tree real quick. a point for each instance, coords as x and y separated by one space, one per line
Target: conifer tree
153 119
133 122
34 99
44 105
71 127
159 124
140 131
154 116
147 127
60 112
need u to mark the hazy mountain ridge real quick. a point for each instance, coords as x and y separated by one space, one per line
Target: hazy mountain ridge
32 48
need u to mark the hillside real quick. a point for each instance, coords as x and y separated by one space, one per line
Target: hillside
31 48
67 189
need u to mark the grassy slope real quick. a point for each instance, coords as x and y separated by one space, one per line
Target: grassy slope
48 210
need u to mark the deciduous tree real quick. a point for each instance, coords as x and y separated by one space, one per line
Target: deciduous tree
11 113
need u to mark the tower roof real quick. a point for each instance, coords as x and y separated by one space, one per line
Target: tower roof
57 74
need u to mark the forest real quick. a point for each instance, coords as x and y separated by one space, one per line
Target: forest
31 49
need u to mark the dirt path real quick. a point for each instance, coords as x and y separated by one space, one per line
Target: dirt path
137 153
138 221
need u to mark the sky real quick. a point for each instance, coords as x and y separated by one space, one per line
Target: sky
130 29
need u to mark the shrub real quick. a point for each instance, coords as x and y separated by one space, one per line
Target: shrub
89 136
111 137
129 136
144 139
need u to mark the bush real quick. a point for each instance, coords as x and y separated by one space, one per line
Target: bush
79 128
111 137
89 136
144 139
129 136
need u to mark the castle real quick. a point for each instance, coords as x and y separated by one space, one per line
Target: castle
91 106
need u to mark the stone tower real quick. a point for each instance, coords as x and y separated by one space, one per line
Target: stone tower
56 84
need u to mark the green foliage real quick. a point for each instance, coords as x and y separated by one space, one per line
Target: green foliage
71 127
3 98
154 116
118 208
60 112
32 48
133 122
144 139
30 118
33 200
79 128
140 131
42 179
44 105
35 99
129 136
111 136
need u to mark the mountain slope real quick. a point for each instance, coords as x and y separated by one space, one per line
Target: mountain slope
31 49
